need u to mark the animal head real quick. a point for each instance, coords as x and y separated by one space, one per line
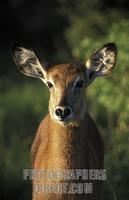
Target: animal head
67 82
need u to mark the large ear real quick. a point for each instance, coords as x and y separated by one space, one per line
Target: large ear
101 62
27 62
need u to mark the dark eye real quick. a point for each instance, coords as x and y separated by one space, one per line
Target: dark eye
49 85
79 84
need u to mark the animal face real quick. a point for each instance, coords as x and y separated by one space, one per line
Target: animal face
67 82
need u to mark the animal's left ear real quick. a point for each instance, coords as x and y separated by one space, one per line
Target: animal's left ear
101 62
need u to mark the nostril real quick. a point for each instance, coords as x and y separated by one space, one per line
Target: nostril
58 112
67 112
63 112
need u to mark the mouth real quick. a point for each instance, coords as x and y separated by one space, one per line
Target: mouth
64 121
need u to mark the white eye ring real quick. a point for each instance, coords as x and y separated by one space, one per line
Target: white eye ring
80 84
49 84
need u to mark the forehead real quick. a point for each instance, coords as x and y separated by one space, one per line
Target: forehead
66 72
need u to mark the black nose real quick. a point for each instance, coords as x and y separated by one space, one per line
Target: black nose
63 112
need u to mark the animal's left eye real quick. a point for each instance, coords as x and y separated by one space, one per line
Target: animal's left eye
49 84
79 84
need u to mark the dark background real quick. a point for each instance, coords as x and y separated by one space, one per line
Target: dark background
59 31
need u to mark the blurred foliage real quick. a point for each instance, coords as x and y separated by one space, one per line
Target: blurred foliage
22 109
92 19
24 101
108 102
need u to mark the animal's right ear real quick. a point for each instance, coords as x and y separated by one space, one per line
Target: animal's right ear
27 62
101 62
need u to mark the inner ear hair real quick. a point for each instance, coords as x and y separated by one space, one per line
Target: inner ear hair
101 62
27 62
105 56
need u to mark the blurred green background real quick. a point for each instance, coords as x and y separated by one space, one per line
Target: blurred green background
60 31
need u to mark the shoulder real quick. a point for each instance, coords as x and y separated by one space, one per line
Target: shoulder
93 131
95 136
43 127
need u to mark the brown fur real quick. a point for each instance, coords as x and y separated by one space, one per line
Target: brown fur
74 142
76 145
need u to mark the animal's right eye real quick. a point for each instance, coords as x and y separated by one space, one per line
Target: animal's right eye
79 84
49 84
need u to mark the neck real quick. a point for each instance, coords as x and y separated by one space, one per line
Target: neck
64 143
